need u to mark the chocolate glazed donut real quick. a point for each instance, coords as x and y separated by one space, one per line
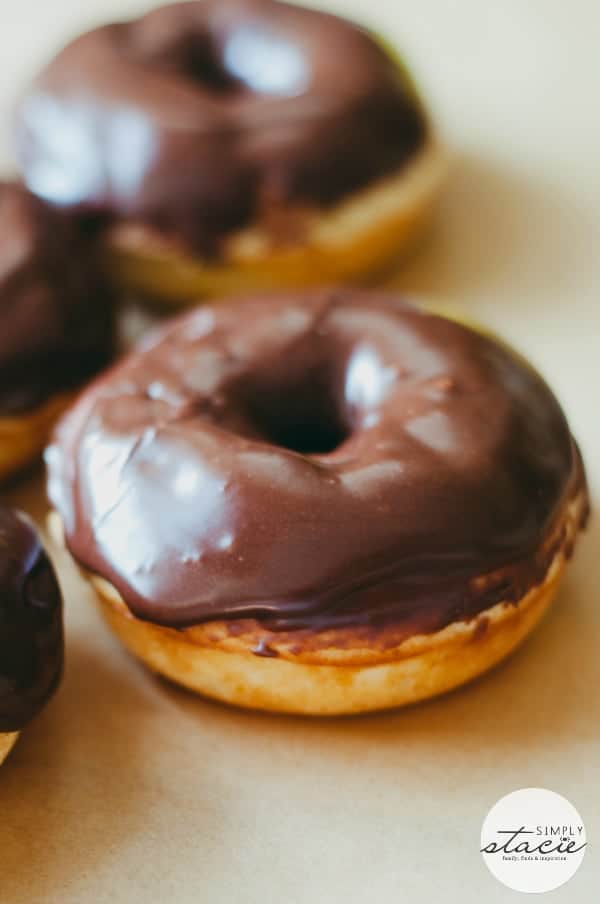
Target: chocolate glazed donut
31 638
56 321
203 120
335 480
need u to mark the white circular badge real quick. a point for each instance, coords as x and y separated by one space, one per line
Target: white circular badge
533 840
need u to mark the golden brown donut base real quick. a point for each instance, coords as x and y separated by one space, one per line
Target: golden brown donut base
349 242
340 671
24 436
7 742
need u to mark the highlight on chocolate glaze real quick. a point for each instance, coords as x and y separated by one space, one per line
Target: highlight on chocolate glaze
265 62
221 145
74 168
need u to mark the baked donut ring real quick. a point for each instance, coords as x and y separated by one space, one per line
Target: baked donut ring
227 145
31 636
322 503
56 322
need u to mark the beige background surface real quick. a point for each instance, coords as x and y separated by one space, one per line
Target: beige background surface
126 790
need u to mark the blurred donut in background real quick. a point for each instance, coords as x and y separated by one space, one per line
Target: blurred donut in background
56 322
230 145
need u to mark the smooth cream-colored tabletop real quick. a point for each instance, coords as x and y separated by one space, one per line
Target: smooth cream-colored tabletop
127 790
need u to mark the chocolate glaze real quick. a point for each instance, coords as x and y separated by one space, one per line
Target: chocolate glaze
56 319
199 117
31 638
321 460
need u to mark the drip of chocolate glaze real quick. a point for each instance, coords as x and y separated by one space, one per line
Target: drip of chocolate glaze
31 638
199 117
316 461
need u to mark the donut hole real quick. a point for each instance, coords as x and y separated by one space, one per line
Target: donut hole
242 58
305 435
304 417
313 409
201 62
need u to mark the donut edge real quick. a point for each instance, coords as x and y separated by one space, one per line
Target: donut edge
23 437
7 742
355 239
420 667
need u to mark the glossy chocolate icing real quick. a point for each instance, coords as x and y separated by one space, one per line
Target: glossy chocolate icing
56 319
320 460
201 117
31 638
